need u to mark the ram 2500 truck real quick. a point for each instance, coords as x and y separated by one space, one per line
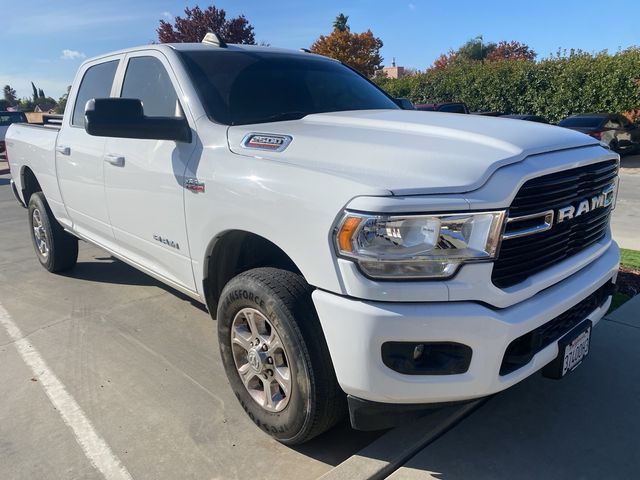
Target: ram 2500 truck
356 256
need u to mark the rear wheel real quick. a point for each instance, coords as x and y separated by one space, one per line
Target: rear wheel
56 249
275 355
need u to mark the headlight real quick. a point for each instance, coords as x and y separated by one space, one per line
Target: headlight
418 246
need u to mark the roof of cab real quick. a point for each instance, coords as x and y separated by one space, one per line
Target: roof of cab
195 47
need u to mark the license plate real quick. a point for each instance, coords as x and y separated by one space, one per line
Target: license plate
572 350
575 352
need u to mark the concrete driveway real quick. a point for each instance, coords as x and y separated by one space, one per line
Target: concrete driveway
141 364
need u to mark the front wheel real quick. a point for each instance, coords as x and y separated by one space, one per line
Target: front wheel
56 249
275 355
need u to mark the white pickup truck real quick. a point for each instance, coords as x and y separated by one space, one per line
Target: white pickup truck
356 256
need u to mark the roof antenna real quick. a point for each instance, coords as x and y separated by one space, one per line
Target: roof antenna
305 50
214 39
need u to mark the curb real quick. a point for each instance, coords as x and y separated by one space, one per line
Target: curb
392 450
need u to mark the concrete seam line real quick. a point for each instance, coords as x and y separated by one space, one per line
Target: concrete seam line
372 469
93 445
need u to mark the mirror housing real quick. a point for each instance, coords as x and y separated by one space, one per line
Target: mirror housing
124 118
404 103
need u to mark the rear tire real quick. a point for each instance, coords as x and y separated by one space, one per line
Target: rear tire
289 391
56 249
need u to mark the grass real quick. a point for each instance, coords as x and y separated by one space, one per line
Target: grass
630 258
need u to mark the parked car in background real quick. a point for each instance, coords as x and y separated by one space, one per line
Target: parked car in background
526 116
6 119
612 129
449 107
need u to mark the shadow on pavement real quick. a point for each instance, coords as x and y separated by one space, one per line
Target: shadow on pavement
630 161
585 426
111 270
338 444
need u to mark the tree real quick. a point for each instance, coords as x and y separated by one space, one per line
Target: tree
62 102
340 23
35 92
444 60
41 93
4 104
511 51
10 95
197 22
358 50
475 49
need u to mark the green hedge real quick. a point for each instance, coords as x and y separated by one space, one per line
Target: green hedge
554 87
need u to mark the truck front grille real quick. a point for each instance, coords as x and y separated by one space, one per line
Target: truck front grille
522 349
521 257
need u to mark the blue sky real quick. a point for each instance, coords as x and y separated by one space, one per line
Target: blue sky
45 41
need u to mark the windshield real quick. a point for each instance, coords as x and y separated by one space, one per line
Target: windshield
244 87
582 122
7 118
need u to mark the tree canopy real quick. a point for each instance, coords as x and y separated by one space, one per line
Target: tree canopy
476 49
197 22
358 50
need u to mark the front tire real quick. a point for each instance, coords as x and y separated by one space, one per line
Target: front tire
56 249
275 355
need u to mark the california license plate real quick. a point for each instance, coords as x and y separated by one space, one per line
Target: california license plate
572 350
575 352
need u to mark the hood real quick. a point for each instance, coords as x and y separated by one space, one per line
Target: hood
409 152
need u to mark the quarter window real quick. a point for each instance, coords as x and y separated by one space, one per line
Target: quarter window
96 83
147 80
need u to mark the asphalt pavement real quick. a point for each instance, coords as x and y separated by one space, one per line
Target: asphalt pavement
625 222
106 370
139 380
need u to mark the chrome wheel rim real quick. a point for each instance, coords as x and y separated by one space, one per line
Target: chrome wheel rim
261 359
40 234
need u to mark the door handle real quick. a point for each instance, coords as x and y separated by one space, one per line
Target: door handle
63 150
114 159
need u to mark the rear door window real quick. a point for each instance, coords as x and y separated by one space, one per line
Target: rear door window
96 83
147 80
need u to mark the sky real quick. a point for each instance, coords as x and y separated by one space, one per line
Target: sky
45 41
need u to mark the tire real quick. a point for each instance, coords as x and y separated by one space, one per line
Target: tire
282 300
56 249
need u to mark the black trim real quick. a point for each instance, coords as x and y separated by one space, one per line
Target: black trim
368 416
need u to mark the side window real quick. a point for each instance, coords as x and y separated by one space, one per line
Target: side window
612 123
96 83
146 79
624 121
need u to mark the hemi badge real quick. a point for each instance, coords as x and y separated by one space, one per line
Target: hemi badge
266 141
194 185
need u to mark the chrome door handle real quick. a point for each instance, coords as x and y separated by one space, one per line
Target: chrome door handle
63 150
114 159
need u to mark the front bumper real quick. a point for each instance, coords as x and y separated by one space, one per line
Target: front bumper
355 331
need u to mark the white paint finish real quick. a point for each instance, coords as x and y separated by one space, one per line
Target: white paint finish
145 197
93 445
411 152
355 331
81 173
292 206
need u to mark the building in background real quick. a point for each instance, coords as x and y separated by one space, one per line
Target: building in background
394 71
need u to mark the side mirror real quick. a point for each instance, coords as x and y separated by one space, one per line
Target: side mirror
404 103
124 118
